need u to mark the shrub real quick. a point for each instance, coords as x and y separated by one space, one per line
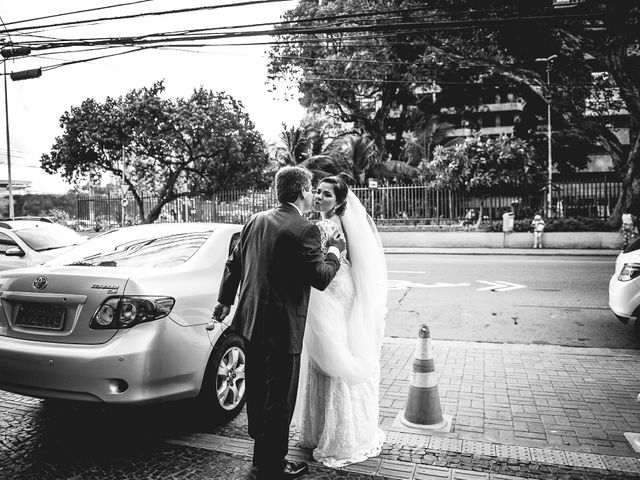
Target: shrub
59 216
579 224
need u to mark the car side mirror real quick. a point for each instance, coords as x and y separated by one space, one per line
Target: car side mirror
14 252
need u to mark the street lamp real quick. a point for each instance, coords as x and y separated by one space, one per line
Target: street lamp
548 61
11 52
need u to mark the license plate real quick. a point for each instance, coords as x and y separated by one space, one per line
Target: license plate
47 317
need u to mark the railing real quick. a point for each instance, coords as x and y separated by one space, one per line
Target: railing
593 197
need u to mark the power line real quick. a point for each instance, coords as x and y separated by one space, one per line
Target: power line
78 11
404 28
157 13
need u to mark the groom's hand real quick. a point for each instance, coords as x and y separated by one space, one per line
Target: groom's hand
220 311
337 241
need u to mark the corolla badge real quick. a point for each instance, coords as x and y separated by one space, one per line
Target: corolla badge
40 283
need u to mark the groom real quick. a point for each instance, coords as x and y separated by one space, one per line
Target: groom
276 262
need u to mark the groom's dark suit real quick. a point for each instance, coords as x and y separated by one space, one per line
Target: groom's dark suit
276 262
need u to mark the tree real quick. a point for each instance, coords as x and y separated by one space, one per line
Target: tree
299 143
595 36
171 148
350 153
362 67
356 82
41 205
483 162
419 146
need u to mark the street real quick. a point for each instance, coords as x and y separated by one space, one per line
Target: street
555 300
507 402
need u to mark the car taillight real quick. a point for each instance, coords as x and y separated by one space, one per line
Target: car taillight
128 311
629 272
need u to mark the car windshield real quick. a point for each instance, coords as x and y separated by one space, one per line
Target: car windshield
48 236
119 249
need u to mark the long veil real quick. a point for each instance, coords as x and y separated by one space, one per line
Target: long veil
351 350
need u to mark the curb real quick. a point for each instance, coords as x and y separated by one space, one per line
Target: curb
435 454
503 251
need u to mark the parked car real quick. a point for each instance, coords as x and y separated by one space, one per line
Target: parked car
26 241
624 286
125 318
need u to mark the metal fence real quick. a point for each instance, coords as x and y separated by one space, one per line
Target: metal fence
592 196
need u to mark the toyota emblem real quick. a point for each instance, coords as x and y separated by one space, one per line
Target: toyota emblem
40 283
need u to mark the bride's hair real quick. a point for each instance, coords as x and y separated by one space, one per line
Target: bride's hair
340 190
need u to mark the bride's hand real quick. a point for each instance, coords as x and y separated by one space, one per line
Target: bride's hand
337 241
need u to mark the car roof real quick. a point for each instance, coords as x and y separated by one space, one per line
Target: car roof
180 227
20 224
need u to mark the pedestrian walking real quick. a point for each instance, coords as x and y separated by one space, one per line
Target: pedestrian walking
537 225
628 228
469 218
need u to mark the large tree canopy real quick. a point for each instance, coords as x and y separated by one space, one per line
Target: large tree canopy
377 63
172 148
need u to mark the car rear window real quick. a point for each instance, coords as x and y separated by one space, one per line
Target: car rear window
114 250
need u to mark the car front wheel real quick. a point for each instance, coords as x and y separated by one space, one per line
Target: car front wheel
223 390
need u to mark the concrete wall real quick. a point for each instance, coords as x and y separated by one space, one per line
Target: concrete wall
593 240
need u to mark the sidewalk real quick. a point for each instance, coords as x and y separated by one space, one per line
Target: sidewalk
519 411
503 251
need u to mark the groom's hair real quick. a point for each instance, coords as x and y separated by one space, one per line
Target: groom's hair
290 181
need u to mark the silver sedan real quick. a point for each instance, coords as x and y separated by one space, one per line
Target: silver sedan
125 318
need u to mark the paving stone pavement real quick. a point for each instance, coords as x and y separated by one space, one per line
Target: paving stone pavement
519 412
529 411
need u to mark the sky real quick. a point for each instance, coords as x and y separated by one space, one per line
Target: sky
35 105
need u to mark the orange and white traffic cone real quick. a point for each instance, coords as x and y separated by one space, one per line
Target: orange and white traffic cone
423 410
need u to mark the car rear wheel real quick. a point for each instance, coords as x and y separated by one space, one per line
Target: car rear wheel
223 391
636 326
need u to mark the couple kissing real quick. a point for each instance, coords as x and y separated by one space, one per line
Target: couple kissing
311 307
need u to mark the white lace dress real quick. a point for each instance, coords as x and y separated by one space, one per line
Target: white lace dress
337 419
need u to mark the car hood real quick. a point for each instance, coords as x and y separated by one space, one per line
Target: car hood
57 304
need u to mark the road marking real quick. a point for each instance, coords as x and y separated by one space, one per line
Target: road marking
405 271
402 284
499 286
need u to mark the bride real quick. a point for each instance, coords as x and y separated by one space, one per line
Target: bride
337 408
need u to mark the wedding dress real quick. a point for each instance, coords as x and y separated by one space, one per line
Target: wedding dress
337 408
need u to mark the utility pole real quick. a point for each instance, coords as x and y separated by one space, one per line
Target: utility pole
11 52
548 61
6 119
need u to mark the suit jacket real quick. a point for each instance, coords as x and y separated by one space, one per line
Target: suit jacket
276 262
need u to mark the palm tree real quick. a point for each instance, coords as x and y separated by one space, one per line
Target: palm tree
350 153
418 148
296 144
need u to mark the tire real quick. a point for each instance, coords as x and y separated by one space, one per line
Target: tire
636 328
223 392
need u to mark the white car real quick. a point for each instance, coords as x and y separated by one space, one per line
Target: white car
125 318
26 242
624 287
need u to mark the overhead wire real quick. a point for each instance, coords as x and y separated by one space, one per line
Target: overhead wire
157 13
393 29
351 17
75 12
412 28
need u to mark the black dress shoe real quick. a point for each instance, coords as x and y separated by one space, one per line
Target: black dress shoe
290 470
294 469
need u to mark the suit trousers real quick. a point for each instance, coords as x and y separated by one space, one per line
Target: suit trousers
272 385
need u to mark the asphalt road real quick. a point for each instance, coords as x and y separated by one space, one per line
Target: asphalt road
556 300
